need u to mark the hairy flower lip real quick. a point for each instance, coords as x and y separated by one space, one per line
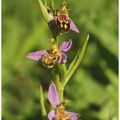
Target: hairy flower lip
54 100
56 25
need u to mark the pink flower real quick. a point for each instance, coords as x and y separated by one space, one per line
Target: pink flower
59 111
53 56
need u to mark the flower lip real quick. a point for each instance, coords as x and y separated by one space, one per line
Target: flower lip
61 24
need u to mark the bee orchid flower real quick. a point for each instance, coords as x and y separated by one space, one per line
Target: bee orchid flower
50 57
59 112
61 22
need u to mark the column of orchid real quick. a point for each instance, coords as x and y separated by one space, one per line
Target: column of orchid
59 23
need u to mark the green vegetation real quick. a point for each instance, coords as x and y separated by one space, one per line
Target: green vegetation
92 90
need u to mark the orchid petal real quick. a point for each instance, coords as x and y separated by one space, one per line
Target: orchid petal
73 27
74 116
66 46
51 115
36 55
63 58
53 95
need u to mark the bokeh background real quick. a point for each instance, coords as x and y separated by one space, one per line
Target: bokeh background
92 90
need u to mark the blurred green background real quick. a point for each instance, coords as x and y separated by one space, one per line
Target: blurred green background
92 90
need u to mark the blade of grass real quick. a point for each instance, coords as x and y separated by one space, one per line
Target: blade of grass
42 105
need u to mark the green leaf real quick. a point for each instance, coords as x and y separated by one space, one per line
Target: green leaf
75 63
48 17
42 105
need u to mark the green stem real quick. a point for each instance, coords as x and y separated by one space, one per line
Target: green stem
59 79
59 87
63 71
42 105
61 91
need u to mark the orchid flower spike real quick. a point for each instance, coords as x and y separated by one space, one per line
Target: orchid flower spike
50 57
59 112
61 22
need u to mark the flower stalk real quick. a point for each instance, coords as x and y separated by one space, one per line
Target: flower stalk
58 83
60 89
